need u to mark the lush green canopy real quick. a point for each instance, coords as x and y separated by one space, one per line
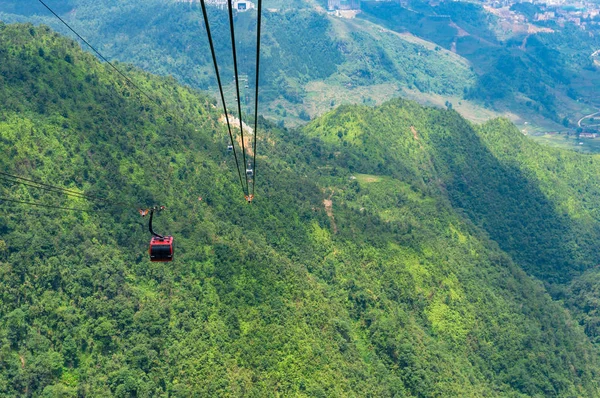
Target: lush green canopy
379 258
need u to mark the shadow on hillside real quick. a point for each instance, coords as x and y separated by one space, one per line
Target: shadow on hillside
507 204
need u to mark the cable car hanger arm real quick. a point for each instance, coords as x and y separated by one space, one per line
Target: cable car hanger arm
150 226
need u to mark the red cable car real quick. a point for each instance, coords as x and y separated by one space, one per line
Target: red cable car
161 247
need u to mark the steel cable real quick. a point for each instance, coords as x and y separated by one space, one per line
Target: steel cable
237 86
256 95
214 57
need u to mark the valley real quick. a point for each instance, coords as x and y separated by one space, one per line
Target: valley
375 59
464 59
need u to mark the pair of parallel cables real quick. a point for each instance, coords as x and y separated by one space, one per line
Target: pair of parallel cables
50 188
248 195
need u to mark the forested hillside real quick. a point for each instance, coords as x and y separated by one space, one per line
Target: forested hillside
543 69
540 204
306 55
368 264
541 72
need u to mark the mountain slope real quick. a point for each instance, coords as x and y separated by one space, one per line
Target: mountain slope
387 290
301 49
540 204
538 73
539 68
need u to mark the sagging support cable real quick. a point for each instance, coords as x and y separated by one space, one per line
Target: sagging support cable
258 23
51 189
48 187
97 52
237 86
214 57
43 205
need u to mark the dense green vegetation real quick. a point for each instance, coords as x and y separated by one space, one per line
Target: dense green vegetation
540 206
400 288
526 8
582 298
374 56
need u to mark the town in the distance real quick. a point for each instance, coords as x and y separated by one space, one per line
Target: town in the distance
581 13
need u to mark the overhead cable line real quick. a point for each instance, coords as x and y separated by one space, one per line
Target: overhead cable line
44 205
246 189
53 188
237 85
41 187
98 52
127 79
256 95
214 57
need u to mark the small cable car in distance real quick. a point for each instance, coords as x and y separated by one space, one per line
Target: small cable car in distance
161 247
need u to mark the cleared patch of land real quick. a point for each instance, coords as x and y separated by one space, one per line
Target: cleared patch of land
328 203
367 178
584 145
468 109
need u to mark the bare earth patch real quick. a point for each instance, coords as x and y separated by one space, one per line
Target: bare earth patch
235 127
414 131
328 203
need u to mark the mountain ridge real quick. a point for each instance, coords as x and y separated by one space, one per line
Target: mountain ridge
170 40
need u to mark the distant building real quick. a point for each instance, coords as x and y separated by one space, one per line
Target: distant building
546 16
333 5
243 5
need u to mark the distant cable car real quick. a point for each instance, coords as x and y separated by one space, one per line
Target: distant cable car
161 247
229 148
249 172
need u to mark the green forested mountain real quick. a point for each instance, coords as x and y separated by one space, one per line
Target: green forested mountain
311 62
543 68
539 205
379 258
539 71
